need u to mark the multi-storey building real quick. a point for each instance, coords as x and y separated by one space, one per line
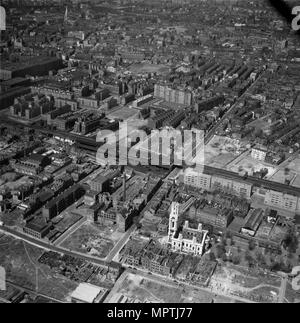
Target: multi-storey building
56 92
35 66
89 103
143 100
64 122
31 165
259 154
135 56
56 113
31 106
209 182
177 96
197 179
100 184
60 203
60 102
283 201
86 125
37 228
175 120
214 217
208 104
159 119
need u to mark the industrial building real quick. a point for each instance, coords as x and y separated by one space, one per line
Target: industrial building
63 201
34 66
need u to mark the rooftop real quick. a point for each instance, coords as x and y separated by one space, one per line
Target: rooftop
38 224
87 293
30 61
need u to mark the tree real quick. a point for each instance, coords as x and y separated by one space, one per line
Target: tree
212 257
236 260
291 242
249 259
224 257
261 259
220 251
228 235
224 242
252 245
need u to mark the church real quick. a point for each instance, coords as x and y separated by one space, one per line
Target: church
186 240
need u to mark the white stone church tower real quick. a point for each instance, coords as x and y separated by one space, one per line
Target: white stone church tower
173 220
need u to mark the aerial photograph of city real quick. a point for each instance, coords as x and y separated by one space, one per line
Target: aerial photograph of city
149 154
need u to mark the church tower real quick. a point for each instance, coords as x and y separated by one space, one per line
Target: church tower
173 220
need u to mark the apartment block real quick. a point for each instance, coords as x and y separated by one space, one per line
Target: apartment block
198 180
282 201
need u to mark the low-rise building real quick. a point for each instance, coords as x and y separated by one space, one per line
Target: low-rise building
88 293
253 222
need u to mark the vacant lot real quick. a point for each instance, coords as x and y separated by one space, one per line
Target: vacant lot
22 268
294 165
148 289
12 219
282 176
251 285
250 165
93 240
221 151
296 181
